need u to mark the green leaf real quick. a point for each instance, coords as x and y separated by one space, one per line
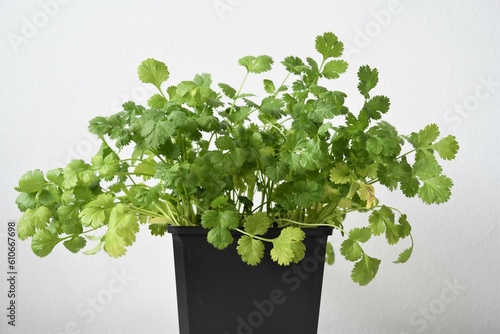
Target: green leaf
26 201
360 234
405 255
329 254
32 181
377 105
224 143
43 242
33 219
365 270
228 90
75 243
293 64
368 79
340 173
329 46
269 86
78 172
153 71
426 169
447 147
251 250
257 224
219 223
381 221
435 190
333 69
351 250
404 227
96 249
106 166
288 247
96 213
424 138
256 64
122 229
55 176
157 101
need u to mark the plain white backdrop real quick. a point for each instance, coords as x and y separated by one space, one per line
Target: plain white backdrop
63 62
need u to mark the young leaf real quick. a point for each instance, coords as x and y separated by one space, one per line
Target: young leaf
269 86
333 69
257 224
288 247
329 254
32 181
405 255
43 242
365 270
251 250
96 249
340 173
436 190
368 79
256 64
153 71
228 90
351 250
329 46
219 223
447 147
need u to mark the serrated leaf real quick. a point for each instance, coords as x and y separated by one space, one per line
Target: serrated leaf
96 213
368 79
424 138
77 172
75 243
329 254
153 71
288 247
377 105
447 147
340 173
329 46
43 242
436 190
157 101
351 250
404 227
404 255
360 234
257 224
365 270
334 68
251 250
256 64
228 90
95 249
32 181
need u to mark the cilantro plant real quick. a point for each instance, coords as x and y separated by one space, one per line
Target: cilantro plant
222 158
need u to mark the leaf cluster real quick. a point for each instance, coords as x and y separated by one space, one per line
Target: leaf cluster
215 156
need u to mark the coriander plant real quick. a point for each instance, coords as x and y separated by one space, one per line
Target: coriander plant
224 159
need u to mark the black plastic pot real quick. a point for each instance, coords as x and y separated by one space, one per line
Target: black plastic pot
217 293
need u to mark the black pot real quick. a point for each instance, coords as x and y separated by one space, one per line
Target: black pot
217 293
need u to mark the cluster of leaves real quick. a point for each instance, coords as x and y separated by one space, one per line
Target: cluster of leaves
225 160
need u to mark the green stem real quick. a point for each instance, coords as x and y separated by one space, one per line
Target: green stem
238 93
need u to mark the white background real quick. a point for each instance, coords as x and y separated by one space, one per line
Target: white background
62 63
